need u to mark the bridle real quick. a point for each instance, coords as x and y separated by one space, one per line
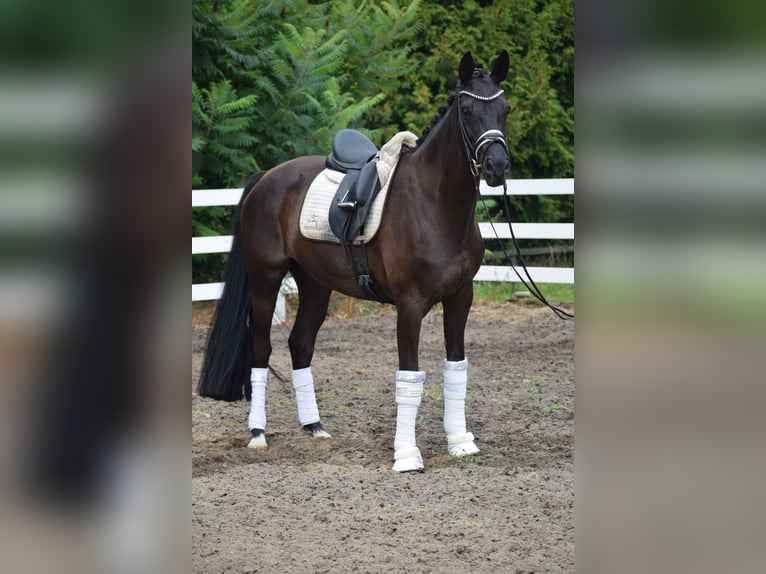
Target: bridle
485 140
472 151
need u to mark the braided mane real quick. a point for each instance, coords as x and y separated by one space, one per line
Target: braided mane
435 119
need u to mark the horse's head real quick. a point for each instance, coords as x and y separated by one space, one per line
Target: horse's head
482 115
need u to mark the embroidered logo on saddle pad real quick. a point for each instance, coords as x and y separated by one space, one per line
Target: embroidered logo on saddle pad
314 220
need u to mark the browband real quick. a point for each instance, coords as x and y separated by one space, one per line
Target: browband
482 98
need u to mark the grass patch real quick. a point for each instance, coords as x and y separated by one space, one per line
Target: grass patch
202 313
502 292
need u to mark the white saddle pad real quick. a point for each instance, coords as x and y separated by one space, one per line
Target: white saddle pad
316 208
314 222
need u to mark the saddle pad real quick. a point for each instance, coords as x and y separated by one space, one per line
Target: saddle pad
316 207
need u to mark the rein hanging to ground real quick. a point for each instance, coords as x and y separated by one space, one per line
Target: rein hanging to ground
531 286
472 155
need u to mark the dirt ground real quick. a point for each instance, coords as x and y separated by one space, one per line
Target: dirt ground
335 506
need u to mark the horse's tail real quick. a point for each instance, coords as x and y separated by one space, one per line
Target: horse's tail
226 368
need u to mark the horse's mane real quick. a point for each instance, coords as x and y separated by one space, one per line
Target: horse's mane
477 73
435 119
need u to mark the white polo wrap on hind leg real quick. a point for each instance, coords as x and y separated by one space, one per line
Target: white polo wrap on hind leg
257 417
459 442
409 389
303 382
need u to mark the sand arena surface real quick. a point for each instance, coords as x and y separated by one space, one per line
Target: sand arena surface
312 505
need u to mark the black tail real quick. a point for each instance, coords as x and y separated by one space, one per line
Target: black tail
226 369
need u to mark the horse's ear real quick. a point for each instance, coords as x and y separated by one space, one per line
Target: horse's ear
500 69
466 68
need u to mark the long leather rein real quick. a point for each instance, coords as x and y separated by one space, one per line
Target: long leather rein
472 151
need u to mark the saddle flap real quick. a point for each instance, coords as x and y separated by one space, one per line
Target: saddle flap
366 185
339 214
352 202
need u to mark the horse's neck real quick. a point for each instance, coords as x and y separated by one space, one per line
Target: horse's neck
449 188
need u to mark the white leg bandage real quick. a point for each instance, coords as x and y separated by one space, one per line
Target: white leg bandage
303 382
257 417
409 388
459 442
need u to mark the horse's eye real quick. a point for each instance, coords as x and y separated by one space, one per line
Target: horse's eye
506 110
465 111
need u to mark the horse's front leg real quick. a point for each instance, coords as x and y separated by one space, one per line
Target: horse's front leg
456 309
409 385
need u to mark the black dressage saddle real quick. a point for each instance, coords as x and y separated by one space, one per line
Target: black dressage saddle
355 155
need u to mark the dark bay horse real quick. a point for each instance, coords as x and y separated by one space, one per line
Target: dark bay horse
427 250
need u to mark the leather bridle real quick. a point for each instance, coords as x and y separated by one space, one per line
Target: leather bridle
489 137
472 151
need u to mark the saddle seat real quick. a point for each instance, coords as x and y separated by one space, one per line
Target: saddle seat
351 150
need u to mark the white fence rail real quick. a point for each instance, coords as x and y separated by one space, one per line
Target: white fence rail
222 243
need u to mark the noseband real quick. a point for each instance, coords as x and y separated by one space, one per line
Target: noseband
486 139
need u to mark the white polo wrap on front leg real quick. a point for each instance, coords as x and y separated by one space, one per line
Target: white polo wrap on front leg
303 383
459 442
257 417
409 389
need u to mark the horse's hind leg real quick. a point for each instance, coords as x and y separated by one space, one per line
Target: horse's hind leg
456 308
264 293
312 309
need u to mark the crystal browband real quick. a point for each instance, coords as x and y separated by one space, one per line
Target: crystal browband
482 98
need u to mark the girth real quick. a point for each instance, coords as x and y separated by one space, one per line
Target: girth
365 278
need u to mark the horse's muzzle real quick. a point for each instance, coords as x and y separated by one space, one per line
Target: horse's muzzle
495 165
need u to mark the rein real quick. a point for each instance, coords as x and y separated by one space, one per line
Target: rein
488 138
531 286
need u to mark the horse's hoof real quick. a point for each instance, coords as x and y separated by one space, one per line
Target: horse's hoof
461 445
317 430
408 460
258 441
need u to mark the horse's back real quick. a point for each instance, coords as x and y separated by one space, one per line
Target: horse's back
286 180
271 210
281 189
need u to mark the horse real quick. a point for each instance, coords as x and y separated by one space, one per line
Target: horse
426 251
